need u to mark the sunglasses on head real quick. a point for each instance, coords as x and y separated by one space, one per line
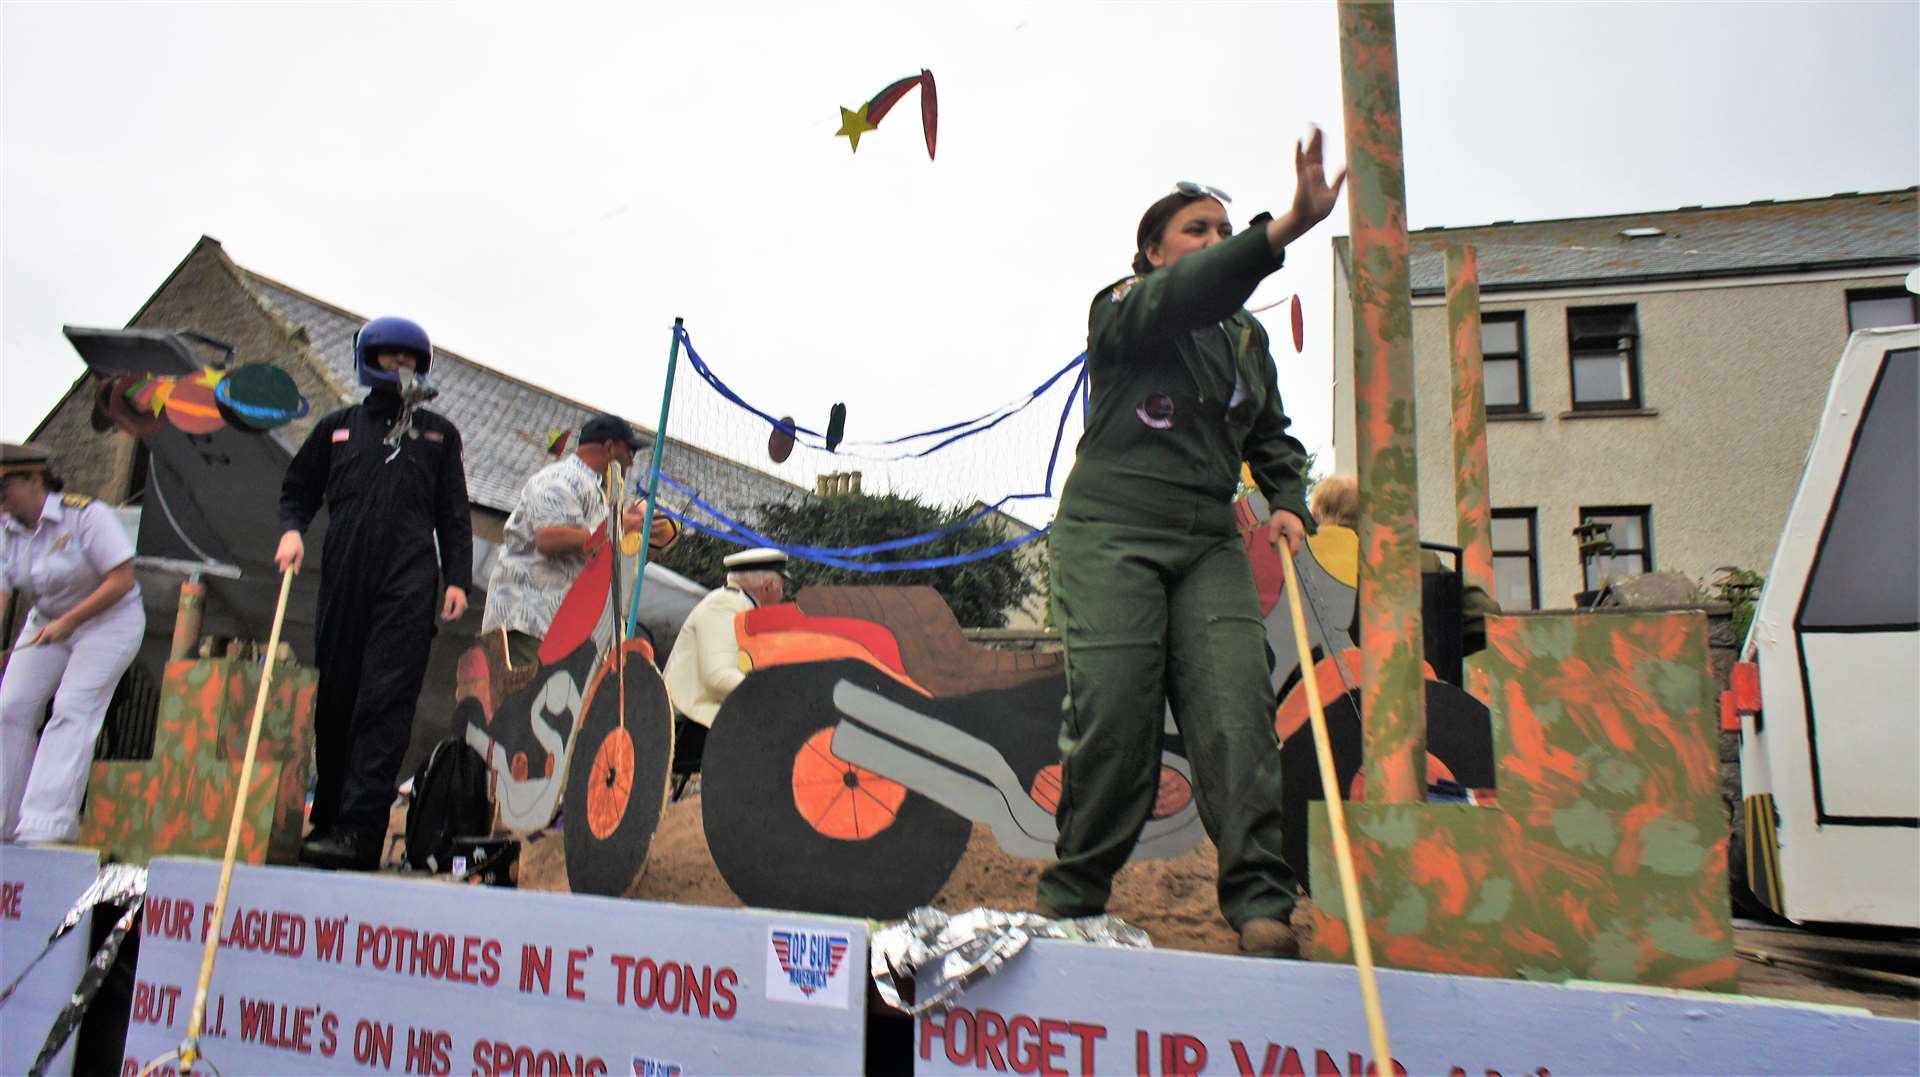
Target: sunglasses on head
1201 190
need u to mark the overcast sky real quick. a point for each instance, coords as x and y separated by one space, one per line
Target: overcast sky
545 187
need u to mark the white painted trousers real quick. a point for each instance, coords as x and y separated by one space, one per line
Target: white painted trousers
43 775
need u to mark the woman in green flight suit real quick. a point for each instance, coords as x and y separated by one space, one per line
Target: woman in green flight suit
1151 588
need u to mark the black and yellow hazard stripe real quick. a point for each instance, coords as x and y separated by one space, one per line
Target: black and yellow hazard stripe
1763 851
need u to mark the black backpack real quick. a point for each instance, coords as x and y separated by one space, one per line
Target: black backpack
450 800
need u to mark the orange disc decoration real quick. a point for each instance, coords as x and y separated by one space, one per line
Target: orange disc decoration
610 785
1175 793
193 408
1299 327
1045 789
839 799
616 774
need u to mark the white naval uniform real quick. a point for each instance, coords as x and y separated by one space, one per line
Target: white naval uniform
704 668
43 774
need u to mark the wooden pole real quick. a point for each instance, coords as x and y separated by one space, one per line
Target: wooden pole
1337 823
189 1051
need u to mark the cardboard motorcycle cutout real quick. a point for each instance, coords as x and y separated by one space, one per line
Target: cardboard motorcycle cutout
846 773
585 731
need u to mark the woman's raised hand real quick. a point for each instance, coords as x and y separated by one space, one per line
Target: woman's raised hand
1313 196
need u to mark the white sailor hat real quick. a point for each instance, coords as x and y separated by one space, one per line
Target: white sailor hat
762 557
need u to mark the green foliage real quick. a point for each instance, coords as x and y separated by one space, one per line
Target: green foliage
980 592
1740 589
697 557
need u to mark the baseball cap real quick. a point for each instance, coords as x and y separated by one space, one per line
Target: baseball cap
609 428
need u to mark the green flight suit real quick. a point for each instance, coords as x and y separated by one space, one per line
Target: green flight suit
1151 588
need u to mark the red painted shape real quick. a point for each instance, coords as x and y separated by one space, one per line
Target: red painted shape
929 110
780 442
787 617
1269 575
586 600
1746 686
1299 327
1729 714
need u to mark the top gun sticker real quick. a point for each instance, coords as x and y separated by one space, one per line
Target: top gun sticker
807 966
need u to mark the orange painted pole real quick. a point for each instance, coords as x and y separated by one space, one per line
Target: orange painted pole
1392 681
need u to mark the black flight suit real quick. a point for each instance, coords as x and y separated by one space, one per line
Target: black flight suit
380 591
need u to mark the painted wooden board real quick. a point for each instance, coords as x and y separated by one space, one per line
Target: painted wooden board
342 973
37 887
1069 1008
1604 856
181 801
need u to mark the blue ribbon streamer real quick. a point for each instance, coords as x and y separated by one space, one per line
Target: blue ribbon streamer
738 527
753 538
815 439
738 533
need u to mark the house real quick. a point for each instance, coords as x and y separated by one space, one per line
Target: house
1661 372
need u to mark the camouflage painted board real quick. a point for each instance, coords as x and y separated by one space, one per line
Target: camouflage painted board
180 802
1605 856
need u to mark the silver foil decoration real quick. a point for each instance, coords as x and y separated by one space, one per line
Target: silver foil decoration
117 884
971 946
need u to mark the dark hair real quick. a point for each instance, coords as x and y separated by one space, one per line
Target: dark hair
1153 226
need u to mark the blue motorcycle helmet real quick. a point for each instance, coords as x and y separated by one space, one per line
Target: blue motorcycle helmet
385 335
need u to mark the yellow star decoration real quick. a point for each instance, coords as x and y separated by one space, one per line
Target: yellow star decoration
853 124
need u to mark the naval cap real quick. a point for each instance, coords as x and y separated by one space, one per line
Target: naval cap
763 557
23 459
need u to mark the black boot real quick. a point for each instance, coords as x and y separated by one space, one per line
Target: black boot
343 850
316 841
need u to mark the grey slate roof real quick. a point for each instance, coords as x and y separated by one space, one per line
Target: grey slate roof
502 420
1838 232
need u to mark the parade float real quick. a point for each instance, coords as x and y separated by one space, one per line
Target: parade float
1536 839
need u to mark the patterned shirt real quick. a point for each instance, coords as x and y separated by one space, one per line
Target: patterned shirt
527 586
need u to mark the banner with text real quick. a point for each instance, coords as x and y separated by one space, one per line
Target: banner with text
343 973
37 887
1062 1008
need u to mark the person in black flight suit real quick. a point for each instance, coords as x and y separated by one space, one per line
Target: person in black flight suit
390 476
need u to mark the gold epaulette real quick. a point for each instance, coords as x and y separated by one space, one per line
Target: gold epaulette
75 501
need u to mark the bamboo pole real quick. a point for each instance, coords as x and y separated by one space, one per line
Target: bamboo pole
189 1051
1337 823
